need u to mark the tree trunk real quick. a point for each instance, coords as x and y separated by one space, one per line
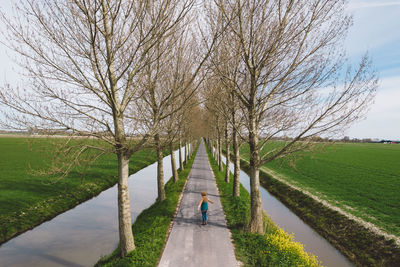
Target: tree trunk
126 241
221 168
180 155
186 153
256 221
173 163
215 150
227 154
124 211
236 158
160 169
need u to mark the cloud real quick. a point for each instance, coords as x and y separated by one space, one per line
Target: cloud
384 115
374 27
369 4
375 30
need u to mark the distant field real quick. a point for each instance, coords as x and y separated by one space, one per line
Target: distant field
27 199
362 179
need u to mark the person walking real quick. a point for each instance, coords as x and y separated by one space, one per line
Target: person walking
203 205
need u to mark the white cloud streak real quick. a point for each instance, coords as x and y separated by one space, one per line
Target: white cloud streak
384 117
363 4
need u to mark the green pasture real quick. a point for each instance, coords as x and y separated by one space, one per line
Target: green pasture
361 178
27 199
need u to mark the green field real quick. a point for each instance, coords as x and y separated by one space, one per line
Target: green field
362 179
27 199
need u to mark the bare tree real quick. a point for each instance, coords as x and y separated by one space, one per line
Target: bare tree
225 68
227 154
84 62
292 77
225 105
214 96
181 166
176 78
172 135
236 142
172 76
221 100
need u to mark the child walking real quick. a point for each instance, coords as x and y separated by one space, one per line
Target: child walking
204 207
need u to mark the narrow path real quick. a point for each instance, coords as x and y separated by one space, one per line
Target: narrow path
193 244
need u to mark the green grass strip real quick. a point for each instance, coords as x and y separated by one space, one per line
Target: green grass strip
151 227
275 248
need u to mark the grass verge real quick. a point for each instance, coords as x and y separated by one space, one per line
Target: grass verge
151 227
275 248
27 200
360 245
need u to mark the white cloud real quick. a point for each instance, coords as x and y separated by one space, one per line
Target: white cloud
368 4
376 24
383 120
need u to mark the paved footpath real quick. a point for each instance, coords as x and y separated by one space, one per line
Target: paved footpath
193 244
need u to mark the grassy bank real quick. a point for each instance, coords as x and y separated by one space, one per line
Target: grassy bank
27 200
151 227
359 244
275 248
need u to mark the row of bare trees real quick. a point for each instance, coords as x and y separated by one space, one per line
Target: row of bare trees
280 70
128 73
120 71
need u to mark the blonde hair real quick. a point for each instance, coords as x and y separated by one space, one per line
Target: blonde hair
203 194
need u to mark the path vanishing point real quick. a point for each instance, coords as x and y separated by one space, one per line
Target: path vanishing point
193 244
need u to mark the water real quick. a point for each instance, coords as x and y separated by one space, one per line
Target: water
286 219
80 236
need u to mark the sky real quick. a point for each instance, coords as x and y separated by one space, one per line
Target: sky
376 29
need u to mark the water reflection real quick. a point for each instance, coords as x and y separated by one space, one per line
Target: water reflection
80 236
286 219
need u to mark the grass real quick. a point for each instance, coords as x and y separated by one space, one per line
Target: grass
151 227
362 179
27 200
359 244
275 248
